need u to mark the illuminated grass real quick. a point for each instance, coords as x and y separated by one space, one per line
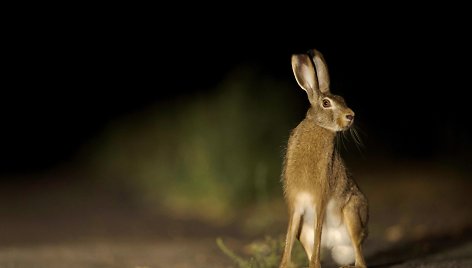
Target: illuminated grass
264 254
203 155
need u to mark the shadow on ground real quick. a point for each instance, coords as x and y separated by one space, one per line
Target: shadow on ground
433 250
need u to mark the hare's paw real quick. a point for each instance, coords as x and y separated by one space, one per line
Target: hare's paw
316 264
286 264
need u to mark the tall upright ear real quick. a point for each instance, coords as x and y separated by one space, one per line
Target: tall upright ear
305 75
321 70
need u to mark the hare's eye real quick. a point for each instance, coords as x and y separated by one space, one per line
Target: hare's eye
326 103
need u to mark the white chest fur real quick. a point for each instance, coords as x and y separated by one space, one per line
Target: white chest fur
334 236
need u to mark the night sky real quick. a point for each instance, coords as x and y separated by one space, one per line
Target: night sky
63 80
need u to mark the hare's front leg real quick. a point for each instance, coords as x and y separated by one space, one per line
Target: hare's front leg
355 218
315 261
292 231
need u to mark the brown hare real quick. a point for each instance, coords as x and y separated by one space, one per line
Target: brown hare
326 208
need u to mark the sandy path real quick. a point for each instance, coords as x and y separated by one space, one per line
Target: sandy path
421 216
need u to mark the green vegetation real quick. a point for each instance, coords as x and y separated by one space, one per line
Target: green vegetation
264 254
203 155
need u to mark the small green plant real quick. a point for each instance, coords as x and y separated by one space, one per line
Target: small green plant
241 262
263 254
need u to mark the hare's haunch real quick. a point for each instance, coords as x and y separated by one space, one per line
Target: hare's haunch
326 208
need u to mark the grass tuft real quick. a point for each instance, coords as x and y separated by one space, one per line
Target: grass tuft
264 254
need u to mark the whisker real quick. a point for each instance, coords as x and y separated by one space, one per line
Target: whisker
343 137
357 139
353 136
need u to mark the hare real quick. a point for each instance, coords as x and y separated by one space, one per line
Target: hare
326 207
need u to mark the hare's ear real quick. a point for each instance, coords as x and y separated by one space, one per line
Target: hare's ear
305 75
321 70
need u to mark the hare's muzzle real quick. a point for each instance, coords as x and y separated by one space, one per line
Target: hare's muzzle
349 119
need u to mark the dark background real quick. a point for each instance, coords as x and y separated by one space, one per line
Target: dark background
65 76
109 155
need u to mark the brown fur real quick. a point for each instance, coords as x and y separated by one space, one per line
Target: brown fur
312 165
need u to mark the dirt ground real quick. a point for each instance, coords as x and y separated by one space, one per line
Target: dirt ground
420 216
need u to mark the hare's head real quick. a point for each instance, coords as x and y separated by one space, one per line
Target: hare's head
328 111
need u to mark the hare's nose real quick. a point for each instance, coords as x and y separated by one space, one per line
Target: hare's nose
350 117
